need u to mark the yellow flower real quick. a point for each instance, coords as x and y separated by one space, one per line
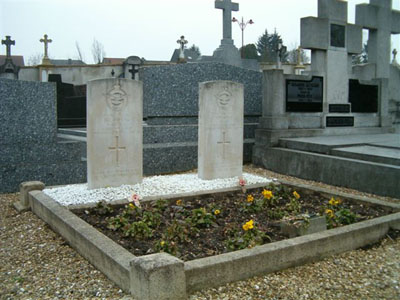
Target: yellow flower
329 213
248 225
131 205
162 243
179 202
217 212
250 198
332 201
267 194
338 201
296 195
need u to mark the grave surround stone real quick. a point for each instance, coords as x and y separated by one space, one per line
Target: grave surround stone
114 132
220 146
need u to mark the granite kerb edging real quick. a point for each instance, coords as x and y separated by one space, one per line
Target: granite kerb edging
243 264
129 272
110 258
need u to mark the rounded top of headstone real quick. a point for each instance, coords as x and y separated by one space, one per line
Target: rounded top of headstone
133 60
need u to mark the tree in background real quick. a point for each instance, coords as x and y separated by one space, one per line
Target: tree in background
195 49
249 51
35 59
267 47
79 52
361 58
98 51
292 56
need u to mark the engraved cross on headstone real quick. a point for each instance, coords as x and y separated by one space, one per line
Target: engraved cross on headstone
227 6
117 148
134 69
8 42
46 41
224 142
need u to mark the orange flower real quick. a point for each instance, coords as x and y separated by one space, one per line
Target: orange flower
296 195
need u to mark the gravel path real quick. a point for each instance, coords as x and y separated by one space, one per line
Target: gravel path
35 263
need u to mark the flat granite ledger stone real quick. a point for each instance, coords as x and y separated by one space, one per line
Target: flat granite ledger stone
220 146
114 132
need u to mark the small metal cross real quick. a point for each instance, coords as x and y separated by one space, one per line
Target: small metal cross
46 41
8 42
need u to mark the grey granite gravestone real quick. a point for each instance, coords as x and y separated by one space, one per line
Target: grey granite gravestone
114 132
381 21
220 146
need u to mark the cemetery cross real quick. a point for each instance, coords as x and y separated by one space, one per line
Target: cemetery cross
8 42
381 21
227 6
182 42
224 142
46 41
133 71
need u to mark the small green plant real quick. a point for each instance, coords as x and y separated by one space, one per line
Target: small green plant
248 237
138 230
152 219
103 208
336 215
117 222
160 205
166 246
200 218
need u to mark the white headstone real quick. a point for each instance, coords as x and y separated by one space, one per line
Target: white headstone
114 132
220 147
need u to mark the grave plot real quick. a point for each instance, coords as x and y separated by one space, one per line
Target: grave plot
212 224
164 276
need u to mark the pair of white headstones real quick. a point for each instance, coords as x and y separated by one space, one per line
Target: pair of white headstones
115 133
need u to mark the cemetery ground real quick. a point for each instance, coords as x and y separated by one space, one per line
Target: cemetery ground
38 264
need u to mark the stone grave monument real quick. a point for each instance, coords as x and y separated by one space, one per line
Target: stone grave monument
220 145
227 52
8 69
332 42
381 21
114 132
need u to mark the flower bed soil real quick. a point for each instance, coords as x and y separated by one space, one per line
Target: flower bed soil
225 215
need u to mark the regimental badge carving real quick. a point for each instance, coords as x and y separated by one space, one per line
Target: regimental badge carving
224 99
116 98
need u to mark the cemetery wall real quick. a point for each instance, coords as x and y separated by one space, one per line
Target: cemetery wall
170 111
77 75
28 143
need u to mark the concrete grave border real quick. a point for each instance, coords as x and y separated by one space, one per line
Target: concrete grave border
163 276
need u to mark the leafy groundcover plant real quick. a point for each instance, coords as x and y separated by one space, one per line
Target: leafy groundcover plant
207 225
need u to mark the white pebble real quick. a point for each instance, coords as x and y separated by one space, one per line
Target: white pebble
151 186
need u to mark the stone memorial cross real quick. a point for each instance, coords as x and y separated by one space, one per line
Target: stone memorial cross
8 42
182 42
381 21
46 42
227 6
220 151
332 42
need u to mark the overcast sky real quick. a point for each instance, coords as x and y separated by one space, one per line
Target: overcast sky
146 28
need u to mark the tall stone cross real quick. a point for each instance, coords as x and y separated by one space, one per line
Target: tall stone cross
227 6
8 42
46 41
381 21
332 42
